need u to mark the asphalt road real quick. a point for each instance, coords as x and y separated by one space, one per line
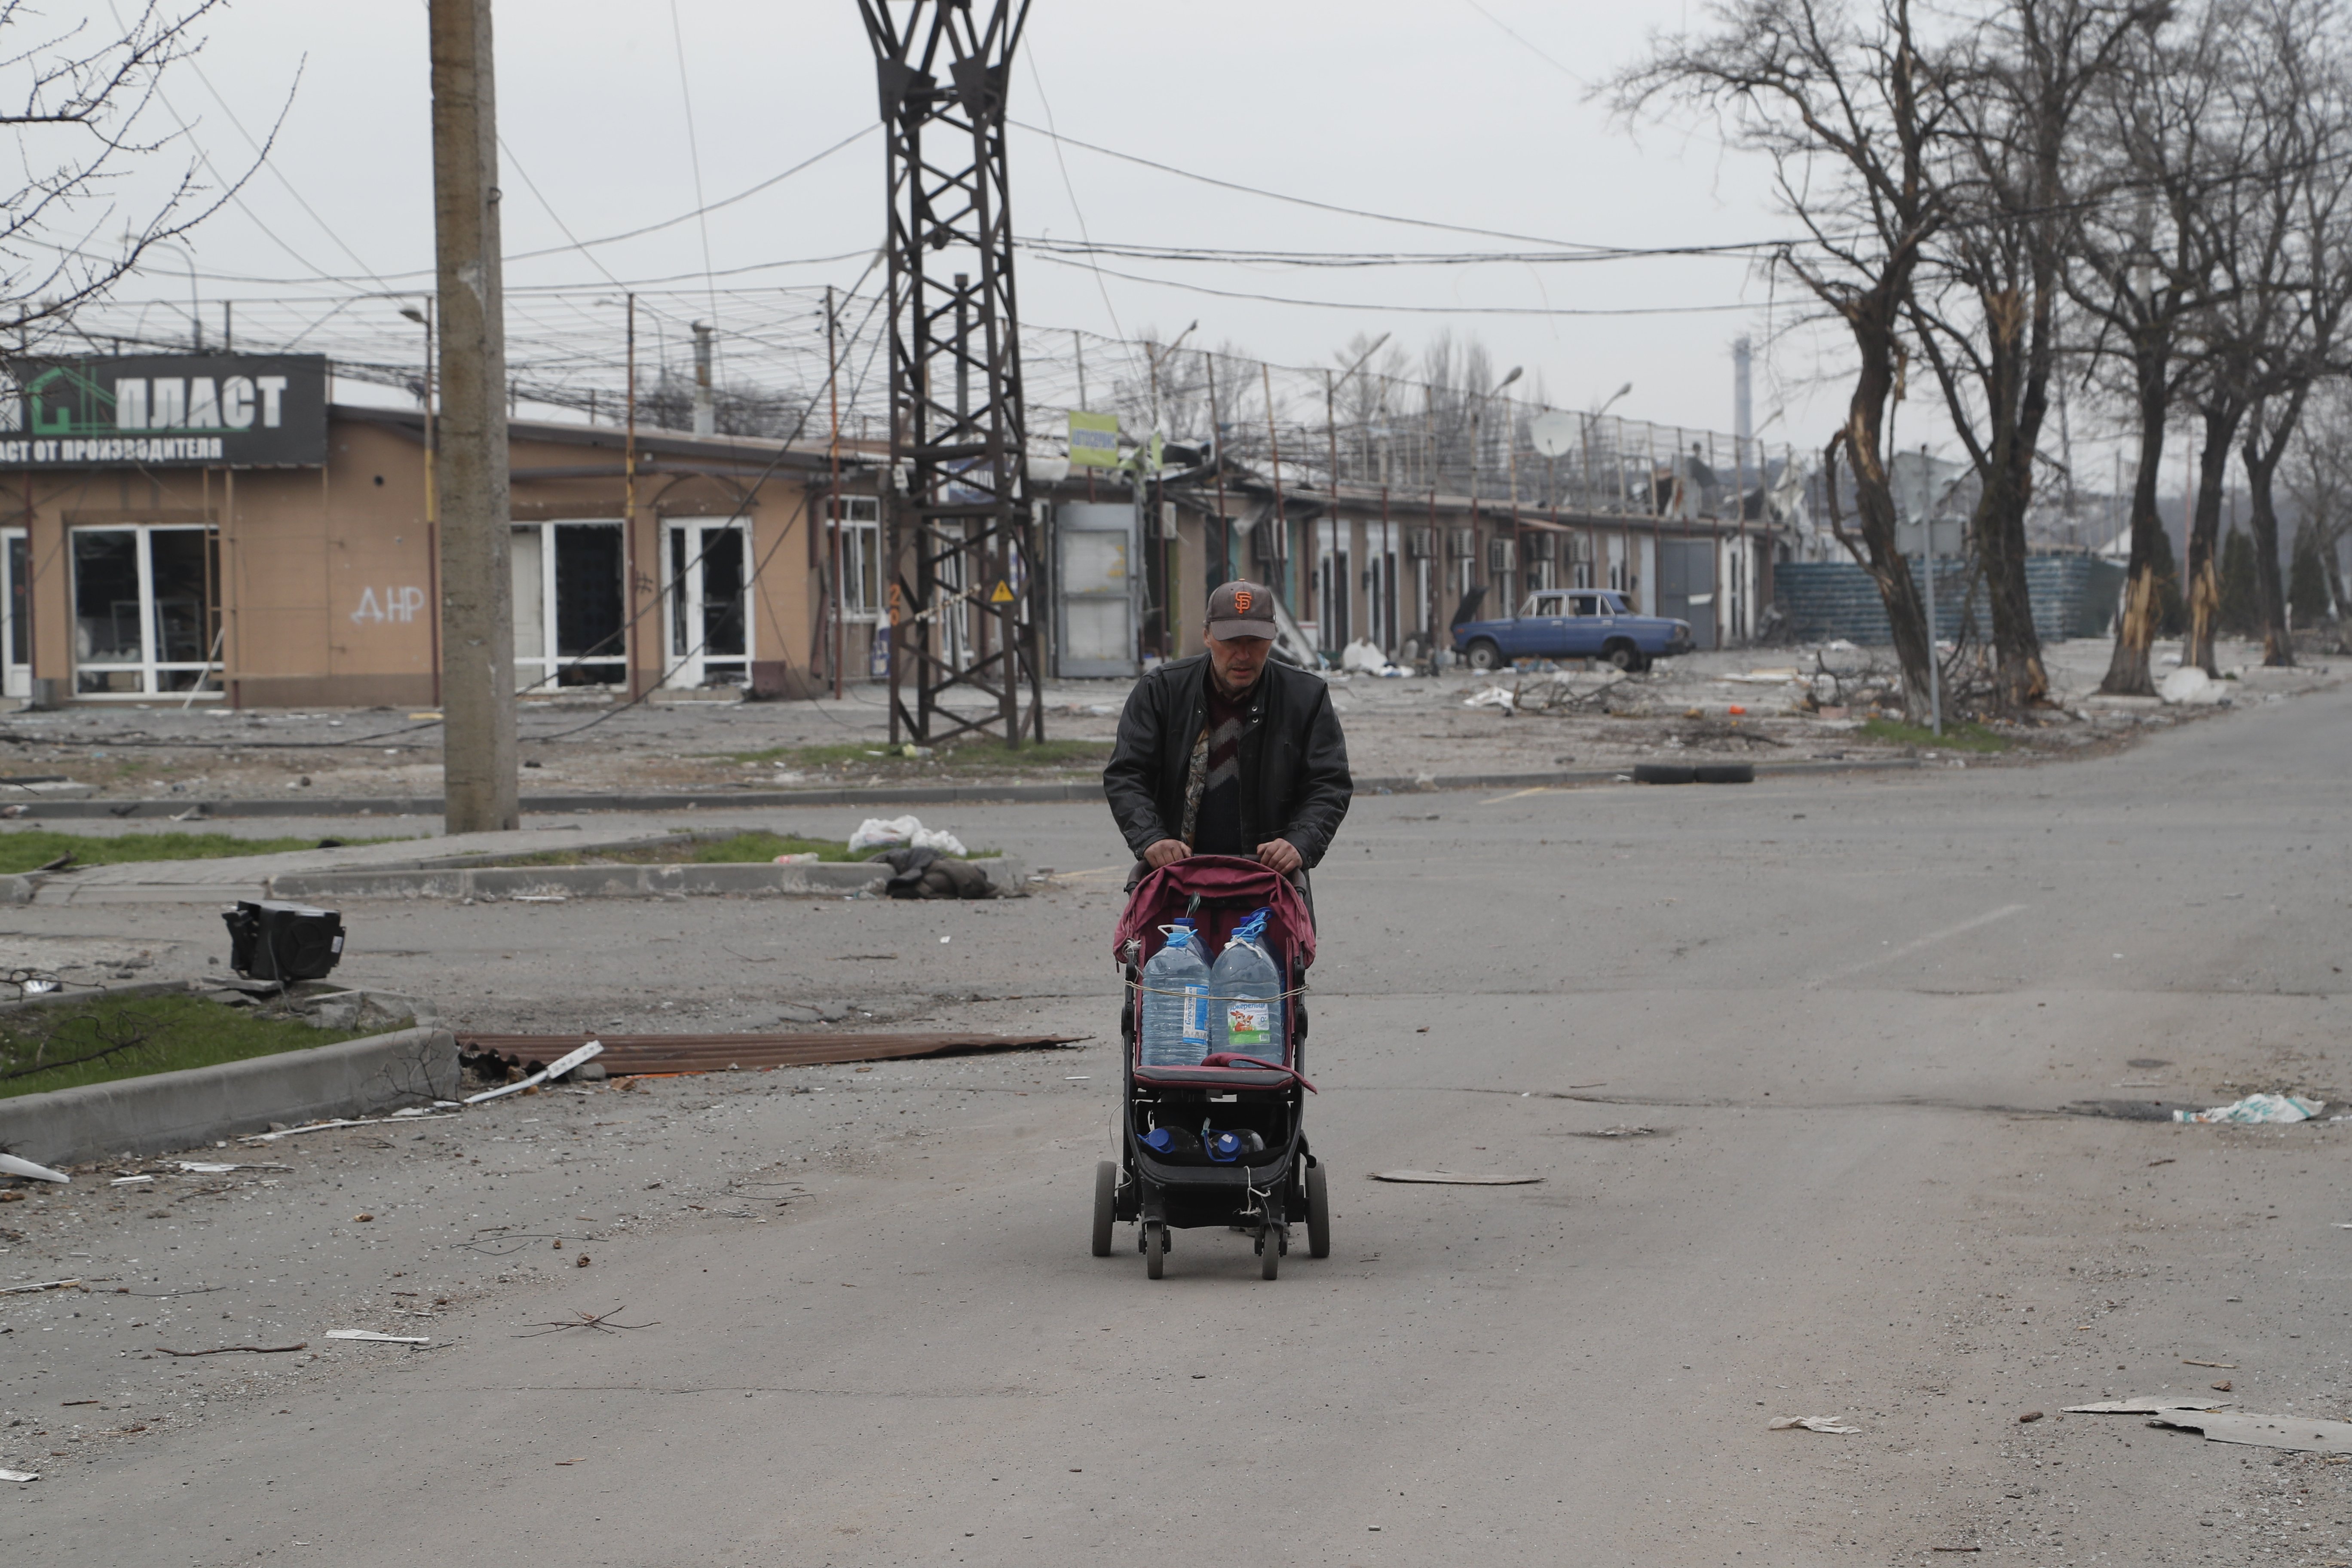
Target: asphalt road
1852 1015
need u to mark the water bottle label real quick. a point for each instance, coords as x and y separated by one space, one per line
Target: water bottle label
1249 1024
1196 1016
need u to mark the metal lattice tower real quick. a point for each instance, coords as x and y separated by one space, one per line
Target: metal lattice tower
966 596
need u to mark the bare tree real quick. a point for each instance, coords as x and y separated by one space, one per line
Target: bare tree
2143 264
2319 479
1837 96
2012 88
85 109
2305 100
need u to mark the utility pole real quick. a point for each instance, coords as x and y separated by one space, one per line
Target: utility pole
477 762
706 414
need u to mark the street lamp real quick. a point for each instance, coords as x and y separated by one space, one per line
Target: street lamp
1613 397
195 310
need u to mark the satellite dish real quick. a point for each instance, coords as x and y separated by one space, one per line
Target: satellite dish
1555 435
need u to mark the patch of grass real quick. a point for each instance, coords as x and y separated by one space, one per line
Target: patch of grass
752 847
1957 737
108 1039
970 755
24 849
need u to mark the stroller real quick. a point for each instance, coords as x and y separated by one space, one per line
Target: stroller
1263 1191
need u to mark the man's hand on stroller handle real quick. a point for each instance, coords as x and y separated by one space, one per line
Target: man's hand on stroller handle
1278 854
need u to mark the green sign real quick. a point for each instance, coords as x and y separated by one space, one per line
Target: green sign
1094 440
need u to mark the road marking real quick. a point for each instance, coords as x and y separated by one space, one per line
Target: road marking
1517 794
1931 939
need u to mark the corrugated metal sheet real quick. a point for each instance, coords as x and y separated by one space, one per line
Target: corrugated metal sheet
2072 595
626 1054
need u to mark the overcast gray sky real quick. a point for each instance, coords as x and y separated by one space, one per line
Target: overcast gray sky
1432 110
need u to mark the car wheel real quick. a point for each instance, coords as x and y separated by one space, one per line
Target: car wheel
1623 654
1484 655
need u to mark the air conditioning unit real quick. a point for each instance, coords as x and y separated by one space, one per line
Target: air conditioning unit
1540 548
1421 543
1502 555
1465 542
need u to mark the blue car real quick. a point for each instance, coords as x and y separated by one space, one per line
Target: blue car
1571 623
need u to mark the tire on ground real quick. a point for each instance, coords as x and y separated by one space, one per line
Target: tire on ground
1724 772
1664 773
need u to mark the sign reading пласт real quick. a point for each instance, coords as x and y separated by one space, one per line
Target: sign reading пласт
163 411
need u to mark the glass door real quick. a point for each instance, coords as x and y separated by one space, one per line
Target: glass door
707 573
570 620
146 613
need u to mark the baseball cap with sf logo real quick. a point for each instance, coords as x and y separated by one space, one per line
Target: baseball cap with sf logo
1241 609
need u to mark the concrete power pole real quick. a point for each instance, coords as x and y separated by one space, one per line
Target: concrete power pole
477 688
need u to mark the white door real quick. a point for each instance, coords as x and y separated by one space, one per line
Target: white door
569 618
16 613
706 592
1096 590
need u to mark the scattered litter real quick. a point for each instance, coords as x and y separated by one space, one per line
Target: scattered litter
18 1475
2257 1108
541 898
371 1337
73 1284
2224 1385
1627 1132
1956 1548
129 1181
225 1349
2029 1416
2310 1436
11 1167
1811 1424
1762 677
806 857
875 832
2145 1405
214 1168
556 1068
1492 697
1454 1178
2216 1365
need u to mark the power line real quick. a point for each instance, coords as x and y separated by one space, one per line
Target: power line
1412 310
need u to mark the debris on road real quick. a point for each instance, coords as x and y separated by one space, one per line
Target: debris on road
627 1054
599 1321
2145 1404
2257 1109
218 1168
1454 1178
18 1475
226 1349
2189 687
73 1284
370 1336
1809 1423
2298 1433
2029 1416
587 1052
2217 1366
11 1167
129 1181
877 833
417 1115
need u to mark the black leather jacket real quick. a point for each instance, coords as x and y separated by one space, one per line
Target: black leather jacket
1294 760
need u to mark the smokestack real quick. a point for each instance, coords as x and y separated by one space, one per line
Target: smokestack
1743 407
706 417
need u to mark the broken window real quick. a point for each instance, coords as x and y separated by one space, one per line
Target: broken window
146 620
16 605
571 619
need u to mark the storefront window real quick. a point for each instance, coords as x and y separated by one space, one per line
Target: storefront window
861 557
568 580
145 620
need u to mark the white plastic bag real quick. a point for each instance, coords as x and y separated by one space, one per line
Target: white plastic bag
875 832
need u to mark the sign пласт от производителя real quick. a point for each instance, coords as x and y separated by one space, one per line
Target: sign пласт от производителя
166 411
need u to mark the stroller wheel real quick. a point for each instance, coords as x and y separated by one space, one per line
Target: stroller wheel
1105 1204
1318 1214
1269 1252
1155 1248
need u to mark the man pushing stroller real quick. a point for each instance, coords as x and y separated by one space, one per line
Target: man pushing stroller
1229 753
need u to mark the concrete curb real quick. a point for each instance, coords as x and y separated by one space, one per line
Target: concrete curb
880 795
1008 875
203 1105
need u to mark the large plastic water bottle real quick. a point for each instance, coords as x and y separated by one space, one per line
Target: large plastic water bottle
1175 1002
1246 986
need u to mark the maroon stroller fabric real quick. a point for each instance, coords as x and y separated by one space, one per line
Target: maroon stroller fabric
1229 888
